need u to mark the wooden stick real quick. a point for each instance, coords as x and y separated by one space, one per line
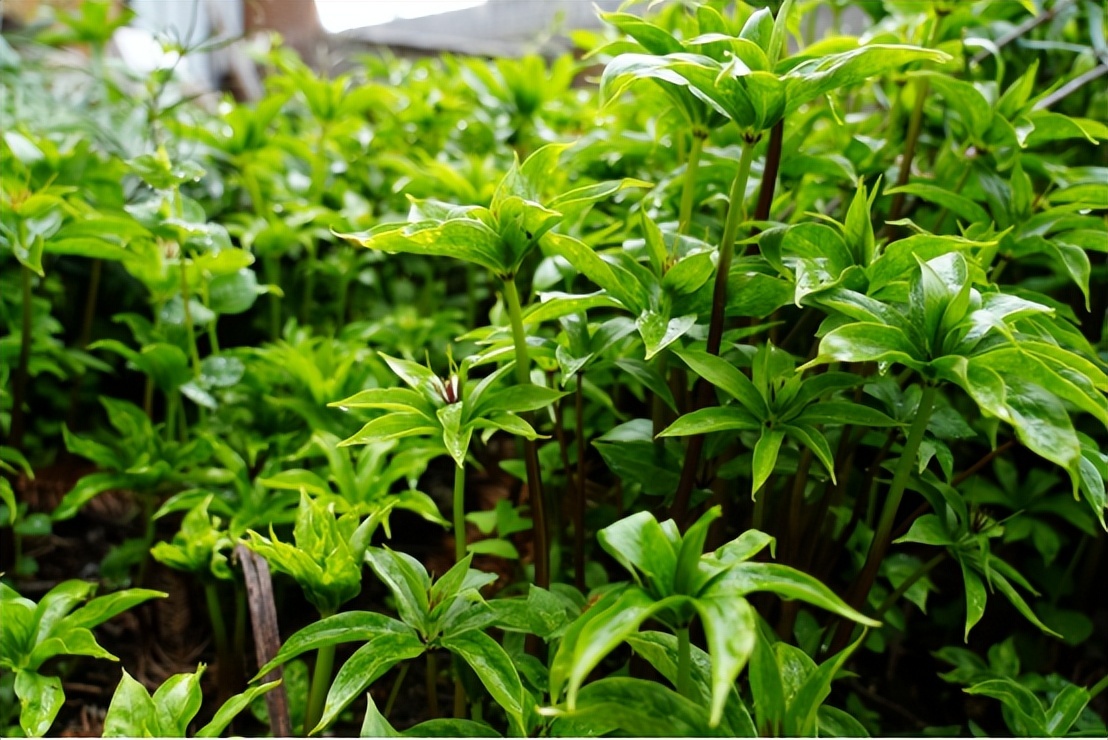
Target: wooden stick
267 639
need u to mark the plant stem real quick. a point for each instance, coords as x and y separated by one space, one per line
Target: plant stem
309 285
684 663
1099 686
459 513
908 582
395 690
219 627
321 682
531 458
459 698
432 685
190 331
91 296
882 534
19 395
769 172
171 401
579 512
736 215
688 189
914 123
272 268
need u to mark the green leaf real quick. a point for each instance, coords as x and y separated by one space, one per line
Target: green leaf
375 724
801 717
639 543
58 602
730 624
232 708
745 546
815 77
79 641
598 632
234 293
297 480
959 205
867 341
40 700
103 608
517 399
641 709
649 376
748 577
407 580
660 650
691 550
728 378
88 488
466 239
132 712
334 630
1065 709
659 331
765 456
712 419
767 687
1042 424
1018 699
366 665
393 426
444 727
176 702
496 671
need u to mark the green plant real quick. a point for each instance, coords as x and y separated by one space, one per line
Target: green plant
450 410
167 712
58 626
675 582
446 614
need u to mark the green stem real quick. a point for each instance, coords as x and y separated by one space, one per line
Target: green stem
321 682
432 685
1099 686
272 268
459 698
908 582
658 409
459 513
684 663
914 124
309 285
171 401
395 690
736 215
881 538
688 190
531 458
219 627
19 395
190 331
582 496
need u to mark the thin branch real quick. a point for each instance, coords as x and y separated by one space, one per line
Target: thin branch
1024 28
1072 86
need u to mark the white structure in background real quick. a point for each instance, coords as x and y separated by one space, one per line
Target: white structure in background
194 24
509 28
337 16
